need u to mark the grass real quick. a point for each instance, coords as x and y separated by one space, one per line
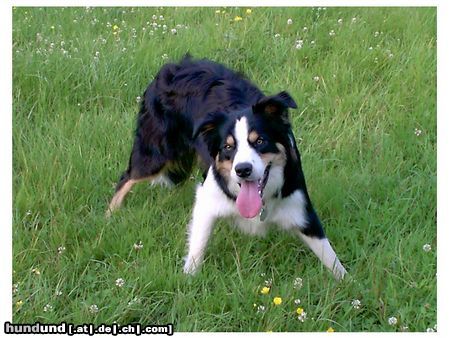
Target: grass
366 128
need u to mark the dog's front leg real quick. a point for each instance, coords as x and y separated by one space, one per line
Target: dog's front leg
323 250
204 215
198 234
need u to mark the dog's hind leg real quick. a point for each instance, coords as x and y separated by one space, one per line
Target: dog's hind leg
122 189
141 167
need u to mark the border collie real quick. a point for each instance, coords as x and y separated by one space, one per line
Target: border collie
252 169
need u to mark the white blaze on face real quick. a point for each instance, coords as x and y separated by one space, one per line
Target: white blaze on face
248 200
244 152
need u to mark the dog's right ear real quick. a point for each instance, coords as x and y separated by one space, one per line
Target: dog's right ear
209 128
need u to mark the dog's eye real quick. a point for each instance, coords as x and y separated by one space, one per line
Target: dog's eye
259 141
228 147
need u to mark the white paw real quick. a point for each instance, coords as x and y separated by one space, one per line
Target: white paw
191 265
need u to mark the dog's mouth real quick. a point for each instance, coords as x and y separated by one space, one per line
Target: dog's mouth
250 198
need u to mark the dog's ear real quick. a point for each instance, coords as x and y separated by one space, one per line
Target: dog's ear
275 105
209 129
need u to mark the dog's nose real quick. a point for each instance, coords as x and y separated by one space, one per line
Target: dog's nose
244 169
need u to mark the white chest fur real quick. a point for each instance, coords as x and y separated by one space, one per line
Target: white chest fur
287 213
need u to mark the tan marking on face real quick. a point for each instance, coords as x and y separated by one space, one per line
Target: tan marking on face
253 136
278 159
271 109
224 167
230 140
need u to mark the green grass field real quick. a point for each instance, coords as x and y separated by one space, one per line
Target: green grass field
365 83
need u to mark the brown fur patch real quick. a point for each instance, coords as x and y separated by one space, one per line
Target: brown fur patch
230 140
224 167
253 136
271 108
276 158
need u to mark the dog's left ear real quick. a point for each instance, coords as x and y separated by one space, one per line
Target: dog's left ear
275 105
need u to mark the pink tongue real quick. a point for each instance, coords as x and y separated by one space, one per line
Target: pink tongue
249 202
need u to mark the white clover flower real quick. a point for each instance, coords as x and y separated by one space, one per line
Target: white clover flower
48 308
392 321
356 303
15 288
430 329
353 20
302 316
297 301
165 56
298 283
417 132
154 17
173 31
120 282
426 247
61 250
289 21
376 34
277 35
261 309
316 78
339 21
298 44
305 29
332 33
138 246
93 308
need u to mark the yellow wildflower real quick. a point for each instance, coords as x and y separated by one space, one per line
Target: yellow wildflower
265 290
330 329
277 300
19 304
237 18
115 27
299 310
217 11
248 11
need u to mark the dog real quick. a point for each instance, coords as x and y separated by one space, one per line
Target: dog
245 144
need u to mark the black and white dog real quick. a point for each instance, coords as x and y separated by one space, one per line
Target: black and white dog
253 172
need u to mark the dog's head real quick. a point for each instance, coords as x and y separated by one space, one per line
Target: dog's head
246 144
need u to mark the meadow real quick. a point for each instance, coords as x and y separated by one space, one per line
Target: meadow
365 83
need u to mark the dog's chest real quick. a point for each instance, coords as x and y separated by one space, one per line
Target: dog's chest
287 213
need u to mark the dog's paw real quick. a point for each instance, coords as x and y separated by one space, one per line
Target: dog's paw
190 266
